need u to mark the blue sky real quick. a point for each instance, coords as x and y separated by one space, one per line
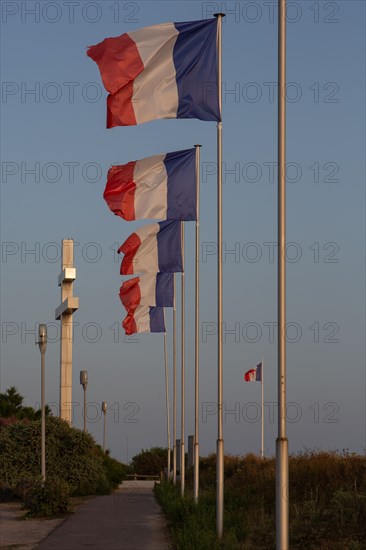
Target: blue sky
58 132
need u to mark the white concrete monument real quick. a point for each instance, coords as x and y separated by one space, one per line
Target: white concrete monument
64 313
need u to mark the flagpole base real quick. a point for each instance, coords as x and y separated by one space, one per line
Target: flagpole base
196 472
282 494
174 464
220 488
182 468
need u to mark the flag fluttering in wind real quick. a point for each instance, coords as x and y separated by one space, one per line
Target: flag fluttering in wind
144 319
163 71
254 375
153 248
159 187
148 290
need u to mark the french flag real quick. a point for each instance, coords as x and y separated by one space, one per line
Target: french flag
153 248
149 290
254 375
159 187
163 71
144 319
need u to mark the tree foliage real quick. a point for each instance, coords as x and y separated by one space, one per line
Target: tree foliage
12 408
150 461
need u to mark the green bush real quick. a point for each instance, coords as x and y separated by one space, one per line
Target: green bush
115 471
70 453
150 462
48 499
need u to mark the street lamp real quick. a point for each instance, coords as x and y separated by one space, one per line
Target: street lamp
42 342
84 383
104 410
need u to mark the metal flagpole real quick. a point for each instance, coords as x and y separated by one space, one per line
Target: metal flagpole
167 397
174 389
262 384
182 451
282 487
220 440
197 359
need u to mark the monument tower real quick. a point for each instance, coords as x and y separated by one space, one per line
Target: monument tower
64 312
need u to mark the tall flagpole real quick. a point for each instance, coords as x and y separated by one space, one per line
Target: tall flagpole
220 440
197 332
174 389
282 478
182 451
167 398
262 384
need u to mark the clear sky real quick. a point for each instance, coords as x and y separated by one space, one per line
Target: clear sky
55 155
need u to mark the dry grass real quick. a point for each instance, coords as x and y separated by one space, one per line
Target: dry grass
327 504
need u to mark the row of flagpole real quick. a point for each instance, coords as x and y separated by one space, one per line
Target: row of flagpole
282 466
196 455
183 379
220 436
120 113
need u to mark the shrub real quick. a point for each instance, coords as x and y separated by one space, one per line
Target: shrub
115 471
150 462
48 499
70 453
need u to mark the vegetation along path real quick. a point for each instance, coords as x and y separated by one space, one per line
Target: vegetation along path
128 519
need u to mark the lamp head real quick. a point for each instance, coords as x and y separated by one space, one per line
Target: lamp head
104 407
84 378
42 334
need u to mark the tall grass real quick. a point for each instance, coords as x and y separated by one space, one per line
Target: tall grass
327 504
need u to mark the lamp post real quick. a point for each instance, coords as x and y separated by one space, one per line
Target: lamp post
84 383
42 342
104 410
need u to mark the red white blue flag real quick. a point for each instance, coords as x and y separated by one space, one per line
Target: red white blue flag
144 319
148 290
254 375
153 248
162 71
159 187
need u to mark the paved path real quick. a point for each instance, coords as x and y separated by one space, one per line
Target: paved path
129 519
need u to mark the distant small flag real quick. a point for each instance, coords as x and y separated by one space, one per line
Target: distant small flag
160 187
155 289
153 248
254 375
144 319
163 71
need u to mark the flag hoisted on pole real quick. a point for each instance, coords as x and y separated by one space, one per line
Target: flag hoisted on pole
282 477
220 439
153 248
144 319
160 187
163 71
151 289
196 462
256 375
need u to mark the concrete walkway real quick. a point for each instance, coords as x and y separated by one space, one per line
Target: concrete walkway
129 519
